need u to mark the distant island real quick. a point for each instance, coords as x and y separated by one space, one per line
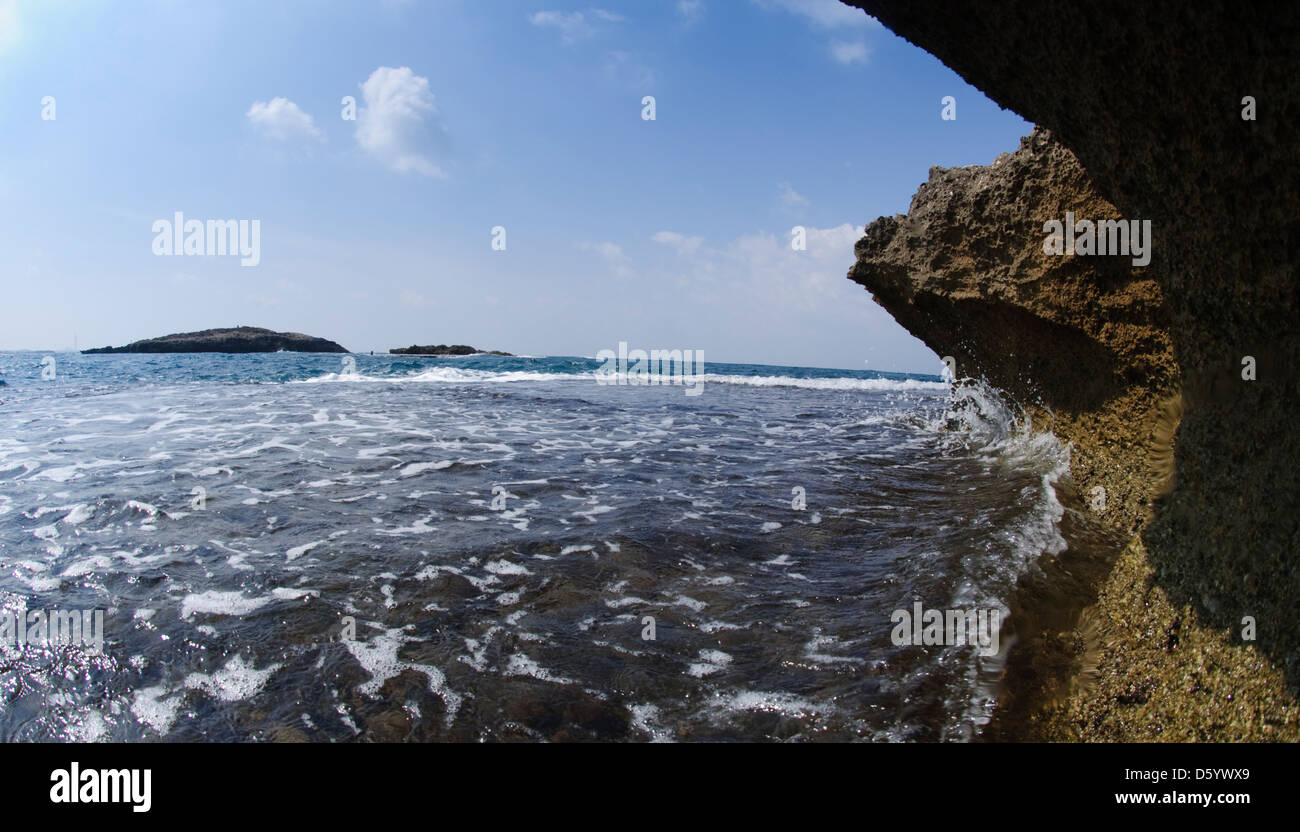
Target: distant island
444 349
237 339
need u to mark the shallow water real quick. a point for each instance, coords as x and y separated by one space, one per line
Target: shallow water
500 530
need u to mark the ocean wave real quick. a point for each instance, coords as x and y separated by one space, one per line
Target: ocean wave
863 384
445 375
456 375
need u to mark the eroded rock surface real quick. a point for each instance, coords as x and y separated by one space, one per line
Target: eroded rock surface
1148 99
966 272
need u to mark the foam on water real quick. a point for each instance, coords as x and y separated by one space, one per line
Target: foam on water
453 375
572 558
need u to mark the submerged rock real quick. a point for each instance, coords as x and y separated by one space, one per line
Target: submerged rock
238 339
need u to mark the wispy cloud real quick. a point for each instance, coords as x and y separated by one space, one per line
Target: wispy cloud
394 121
281 120
849 51
679 242
690 11
798 278
830 16
792 198
825 14
764 265
575 26
613 255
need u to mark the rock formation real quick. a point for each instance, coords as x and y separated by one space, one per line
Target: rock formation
443 349
1177 382
238 339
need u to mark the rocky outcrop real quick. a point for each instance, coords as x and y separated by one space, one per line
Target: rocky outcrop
1177 382
1067 336
444 349
966 272
238 339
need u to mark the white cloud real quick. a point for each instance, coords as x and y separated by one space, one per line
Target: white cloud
691 11
830 15
790 279
679 242
849 51
391 124
760 279
613 256
574 26
826 14
791 197
751 297
281 119
766 266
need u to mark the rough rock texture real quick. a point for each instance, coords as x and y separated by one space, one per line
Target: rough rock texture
965 270
443 349
239 339
1148 99
1068 336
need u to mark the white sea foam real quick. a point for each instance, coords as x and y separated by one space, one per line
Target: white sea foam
156 707
521 665
457 375
420 467
236 681
711 661
377 655
216 602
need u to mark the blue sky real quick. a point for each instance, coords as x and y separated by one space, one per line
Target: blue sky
471 114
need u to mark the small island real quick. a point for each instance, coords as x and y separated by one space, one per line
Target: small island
237 339
445 349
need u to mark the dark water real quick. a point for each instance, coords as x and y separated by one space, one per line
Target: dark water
500 531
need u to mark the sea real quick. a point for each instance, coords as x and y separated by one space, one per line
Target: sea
326 548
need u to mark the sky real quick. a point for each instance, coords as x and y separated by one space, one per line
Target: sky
384 229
